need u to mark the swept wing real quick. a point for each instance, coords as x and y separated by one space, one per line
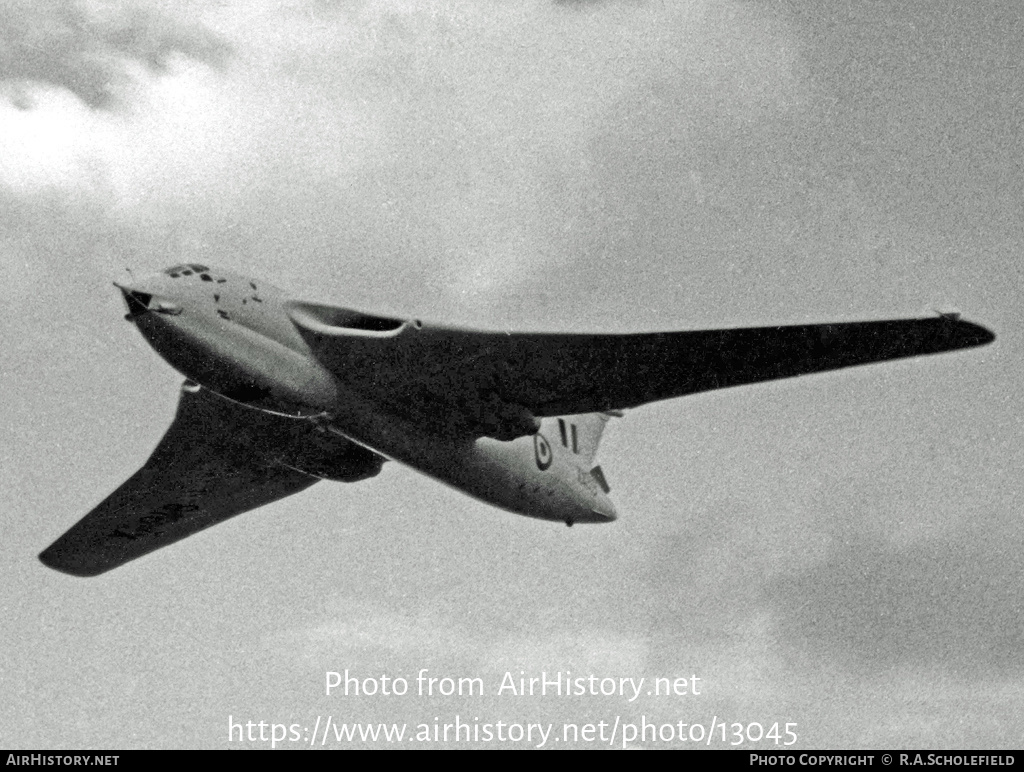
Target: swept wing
211 464
472 381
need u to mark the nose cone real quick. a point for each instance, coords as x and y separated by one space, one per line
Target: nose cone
137 301
183 320
141 302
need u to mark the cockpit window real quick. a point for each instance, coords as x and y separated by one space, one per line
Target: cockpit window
185 269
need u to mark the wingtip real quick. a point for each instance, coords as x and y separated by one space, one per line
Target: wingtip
58 561
970 334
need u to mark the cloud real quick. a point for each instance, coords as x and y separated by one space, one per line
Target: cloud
461 150
89 50
951 605
355 628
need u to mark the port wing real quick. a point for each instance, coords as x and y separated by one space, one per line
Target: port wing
208 467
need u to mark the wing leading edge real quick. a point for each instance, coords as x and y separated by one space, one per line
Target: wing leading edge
468 378
207 468
628 371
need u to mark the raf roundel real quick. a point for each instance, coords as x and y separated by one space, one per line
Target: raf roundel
542 450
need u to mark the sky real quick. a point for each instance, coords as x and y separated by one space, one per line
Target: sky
843 553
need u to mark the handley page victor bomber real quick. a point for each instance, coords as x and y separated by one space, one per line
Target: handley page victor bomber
283 393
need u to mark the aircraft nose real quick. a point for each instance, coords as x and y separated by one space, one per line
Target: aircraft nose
140 302
137 302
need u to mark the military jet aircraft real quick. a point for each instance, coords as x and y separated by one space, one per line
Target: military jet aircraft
283 393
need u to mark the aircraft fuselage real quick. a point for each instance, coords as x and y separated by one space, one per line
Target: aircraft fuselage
282 393
233 336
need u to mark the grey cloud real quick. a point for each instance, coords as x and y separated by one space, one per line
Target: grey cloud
62 44
586 3
951 605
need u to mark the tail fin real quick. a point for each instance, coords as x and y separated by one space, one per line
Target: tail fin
582 434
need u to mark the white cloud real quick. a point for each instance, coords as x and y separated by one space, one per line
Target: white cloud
449 141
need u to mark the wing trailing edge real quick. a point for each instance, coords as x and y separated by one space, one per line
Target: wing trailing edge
208 467
468 381
632 370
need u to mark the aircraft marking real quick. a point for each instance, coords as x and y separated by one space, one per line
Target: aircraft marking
542 450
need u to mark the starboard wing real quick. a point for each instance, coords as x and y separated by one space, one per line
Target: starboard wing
615 372
210 465
469 380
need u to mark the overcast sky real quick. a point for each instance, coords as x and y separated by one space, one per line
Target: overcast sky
844 552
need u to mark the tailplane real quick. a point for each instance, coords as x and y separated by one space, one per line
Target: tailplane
581 434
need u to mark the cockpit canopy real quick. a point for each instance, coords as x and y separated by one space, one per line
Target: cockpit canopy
185 269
